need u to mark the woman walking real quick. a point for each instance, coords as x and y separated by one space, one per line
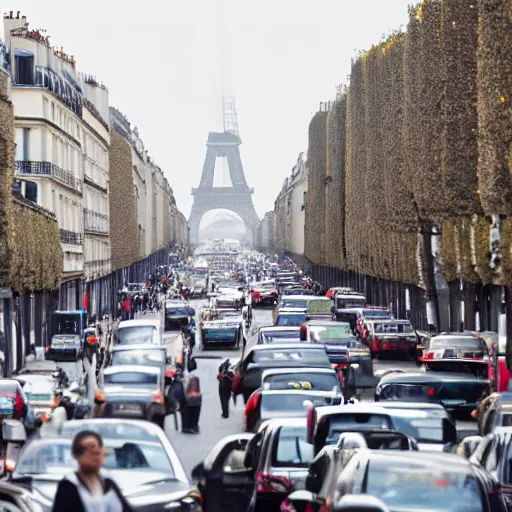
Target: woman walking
192 407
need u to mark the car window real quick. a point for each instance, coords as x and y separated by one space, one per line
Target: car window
291 403
291 448
302 355
135 378
385 328
281 335
412 486
138 357
136 335
475 344
328 333
110 429
292 320
421 392
346 422
426 426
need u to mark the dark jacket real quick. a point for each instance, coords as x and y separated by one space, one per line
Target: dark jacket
68 496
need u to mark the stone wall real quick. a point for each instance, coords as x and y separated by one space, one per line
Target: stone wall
123 206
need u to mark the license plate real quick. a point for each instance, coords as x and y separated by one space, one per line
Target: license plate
128 407
6 406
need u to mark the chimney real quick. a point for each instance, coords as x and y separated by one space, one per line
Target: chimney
10 14
17 15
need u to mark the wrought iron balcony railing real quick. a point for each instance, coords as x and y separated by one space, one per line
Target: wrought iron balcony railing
70 237
32 168
96 222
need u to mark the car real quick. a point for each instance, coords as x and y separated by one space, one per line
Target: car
265 404
264 293
319 379
495 411
277 334
291 303
138 332
298 290
14 402
349 300
226 330
14 498
39 390
323 472
273 463
332 292
457 352
177 314
392 337
356 317
494 454
249 370
139 457
290 317
458 393
405 482
133 391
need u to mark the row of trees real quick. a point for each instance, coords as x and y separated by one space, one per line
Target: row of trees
420 143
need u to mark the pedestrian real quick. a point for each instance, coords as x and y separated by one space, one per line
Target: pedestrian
225 378
192 410
89 489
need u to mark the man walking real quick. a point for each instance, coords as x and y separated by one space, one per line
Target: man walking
225 378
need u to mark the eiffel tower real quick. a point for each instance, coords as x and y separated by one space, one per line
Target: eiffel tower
236 198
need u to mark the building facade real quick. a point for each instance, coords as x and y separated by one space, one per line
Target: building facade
290 211
62 142
265 233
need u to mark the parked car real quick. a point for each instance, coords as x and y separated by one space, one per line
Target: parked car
273 464
139 457
277 334
406 482
139 332
135 392
249 370
458 393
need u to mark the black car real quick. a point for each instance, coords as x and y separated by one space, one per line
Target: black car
273 334
258 477
136 392
248 371
405 482
459 393
177 315
495 411
494 453
324 470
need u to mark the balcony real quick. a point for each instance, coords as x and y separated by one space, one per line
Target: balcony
31 168
70 237
97 268
95 222
94 174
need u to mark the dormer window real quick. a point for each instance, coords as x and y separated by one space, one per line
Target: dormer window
24 65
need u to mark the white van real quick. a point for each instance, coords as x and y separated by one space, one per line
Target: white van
139 332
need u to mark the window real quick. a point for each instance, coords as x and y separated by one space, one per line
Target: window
46 108
26 142
53 111
31 191
24 62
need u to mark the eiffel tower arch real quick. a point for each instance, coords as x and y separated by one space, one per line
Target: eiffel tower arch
236 198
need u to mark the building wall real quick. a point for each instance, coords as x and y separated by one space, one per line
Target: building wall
123 203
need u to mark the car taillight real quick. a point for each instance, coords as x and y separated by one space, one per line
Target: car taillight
158 397
431 392
237 379
428 355
269 483
47 349
18 404
252 403
9 465
255 294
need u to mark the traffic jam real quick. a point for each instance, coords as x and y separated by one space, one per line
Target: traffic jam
339 397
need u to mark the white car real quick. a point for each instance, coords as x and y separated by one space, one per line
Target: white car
139 332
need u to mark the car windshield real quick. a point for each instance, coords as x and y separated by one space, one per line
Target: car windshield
370 313
291 448
139 357
424 426
66 325
133 378
291 319
176 311
393 328
53 457
306 380
475 344
136 335
413 486
350 302
294 303
345 422
277 335
341 332
288 404
110 429
290 355
220 335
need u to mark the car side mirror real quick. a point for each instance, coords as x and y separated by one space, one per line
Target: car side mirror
360 503
198 471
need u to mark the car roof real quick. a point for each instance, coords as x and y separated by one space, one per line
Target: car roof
392 404
289 346
455 335
280 328
139 323
292 311
326 322
284 422
284 371
359 408
432 376
388 321
440 459
132 368
127 348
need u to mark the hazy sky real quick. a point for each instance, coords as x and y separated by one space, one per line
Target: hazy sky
168 62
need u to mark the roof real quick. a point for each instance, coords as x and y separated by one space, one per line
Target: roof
392 404
289 346
432 376
360 408
131 368
146 322
455 335
284 422
279 328
440 459
326 323
125 348
280 371
292 311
